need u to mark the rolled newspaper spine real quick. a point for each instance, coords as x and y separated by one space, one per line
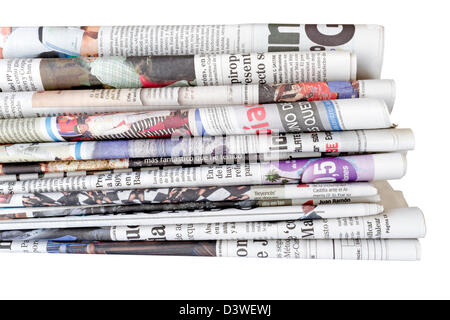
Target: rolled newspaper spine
135 168
367 41
383 166
390 249
83 151
199 150
404 223
53 175
195 216
320 191
44 212
72 102
160 71
327 115
38 169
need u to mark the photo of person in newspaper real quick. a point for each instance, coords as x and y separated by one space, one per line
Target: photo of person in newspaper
308 91
71 199
68 74
117 72
163 124
135 125
226 193
134 196
38 199
5 198
48 42
163 71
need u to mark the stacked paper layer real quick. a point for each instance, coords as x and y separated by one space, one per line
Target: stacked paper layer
257 141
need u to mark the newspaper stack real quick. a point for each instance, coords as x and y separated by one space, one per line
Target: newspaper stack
262 140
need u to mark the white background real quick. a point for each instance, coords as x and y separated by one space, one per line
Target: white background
416 56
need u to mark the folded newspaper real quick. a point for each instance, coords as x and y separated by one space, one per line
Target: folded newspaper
327 115
392 205
326 193
267 141
366 41
382 166
213 149
307 204
162 71
274 213
68 167
64 102
364 238
359 249
404 223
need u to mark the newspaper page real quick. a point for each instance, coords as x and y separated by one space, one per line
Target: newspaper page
327 115
198 150
54 175
358 249
404 223
382 166
320 191
33 176
67 166
71 102
45 212
274 213
366 41
162 71
45 167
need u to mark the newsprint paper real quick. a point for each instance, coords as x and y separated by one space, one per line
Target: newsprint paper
209 149
381 166
366 41
327 115
65 102
162 71
359 249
